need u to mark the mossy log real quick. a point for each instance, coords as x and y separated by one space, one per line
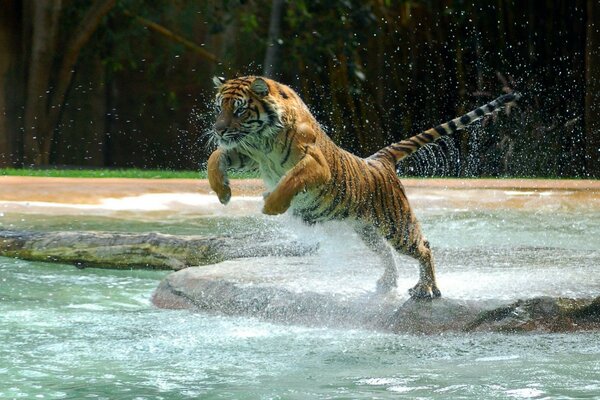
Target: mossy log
142 251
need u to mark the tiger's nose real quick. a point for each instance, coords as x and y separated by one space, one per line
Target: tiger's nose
220 126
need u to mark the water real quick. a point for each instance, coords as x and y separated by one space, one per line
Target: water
68 333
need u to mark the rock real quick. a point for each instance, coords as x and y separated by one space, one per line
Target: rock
546 314
210 290
151 250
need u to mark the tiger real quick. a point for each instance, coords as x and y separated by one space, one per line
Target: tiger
262 125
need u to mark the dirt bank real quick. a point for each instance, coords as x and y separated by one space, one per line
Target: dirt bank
93 190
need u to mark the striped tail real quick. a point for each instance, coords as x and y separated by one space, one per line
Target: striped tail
400 150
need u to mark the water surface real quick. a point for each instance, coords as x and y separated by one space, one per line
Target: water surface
68 333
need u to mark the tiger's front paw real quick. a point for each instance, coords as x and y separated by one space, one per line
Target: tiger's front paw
274 205
223 193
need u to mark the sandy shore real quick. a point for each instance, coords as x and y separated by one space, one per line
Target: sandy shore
93 190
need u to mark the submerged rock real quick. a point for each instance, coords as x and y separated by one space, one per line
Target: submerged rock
149 250
207 290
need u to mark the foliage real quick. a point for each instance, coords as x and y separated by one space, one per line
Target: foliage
116 173
372 71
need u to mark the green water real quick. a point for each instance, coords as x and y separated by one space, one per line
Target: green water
78 334
93 334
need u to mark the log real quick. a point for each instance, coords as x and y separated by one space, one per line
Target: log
217 290
144 251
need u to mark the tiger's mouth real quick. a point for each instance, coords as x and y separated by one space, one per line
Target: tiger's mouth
230 138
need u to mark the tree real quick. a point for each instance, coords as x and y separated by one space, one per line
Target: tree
11 82
273 47
592 89
46 91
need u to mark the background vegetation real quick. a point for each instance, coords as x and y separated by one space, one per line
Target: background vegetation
126 83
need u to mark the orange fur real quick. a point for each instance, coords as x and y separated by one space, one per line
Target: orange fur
263 125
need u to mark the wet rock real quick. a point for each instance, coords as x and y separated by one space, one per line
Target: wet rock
191 289
545 314
434 316
207 290
149 250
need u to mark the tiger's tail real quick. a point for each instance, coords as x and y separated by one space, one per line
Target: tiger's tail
400 150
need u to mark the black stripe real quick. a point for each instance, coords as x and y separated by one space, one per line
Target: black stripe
339 189
283 93
441 131
348 183
380 188
427 136
344 214
385 153
490 107
465 119
272 116
332 206
288 135
289 149
407 226
394 215
316 203
388 222
413 248
452 126
399 147
415 140
479 112
232 89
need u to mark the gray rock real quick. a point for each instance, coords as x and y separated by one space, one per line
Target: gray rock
207 290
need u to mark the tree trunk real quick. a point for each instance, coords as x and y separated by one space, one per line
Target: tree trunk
97 135
45 15
46 93
592 88
79 38
273 47
11 82
81 135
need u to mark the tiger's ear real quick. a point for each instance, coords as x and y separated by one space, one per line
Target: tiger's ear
260 87
218 81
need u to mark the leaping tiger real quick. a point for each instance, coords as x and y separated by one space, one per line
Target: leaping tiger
263 125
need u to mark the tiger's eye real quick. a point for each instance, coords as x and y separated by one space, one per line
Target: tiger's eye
240 111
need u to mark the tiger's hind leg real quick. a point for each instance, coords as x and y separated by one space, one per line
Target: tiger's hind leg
427 286
410 241
378 245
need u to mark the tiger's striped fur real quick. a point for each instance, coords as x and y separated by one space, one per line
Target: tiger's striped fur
263 125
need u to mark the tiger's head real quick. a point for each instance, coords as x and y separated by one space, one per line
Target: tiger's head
246 112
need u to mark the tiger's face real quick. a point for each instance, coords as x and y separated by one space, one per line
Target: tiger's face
245 116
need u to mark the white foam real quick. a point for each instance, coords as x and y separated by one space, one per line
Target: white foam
147 203
519 193
525 393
